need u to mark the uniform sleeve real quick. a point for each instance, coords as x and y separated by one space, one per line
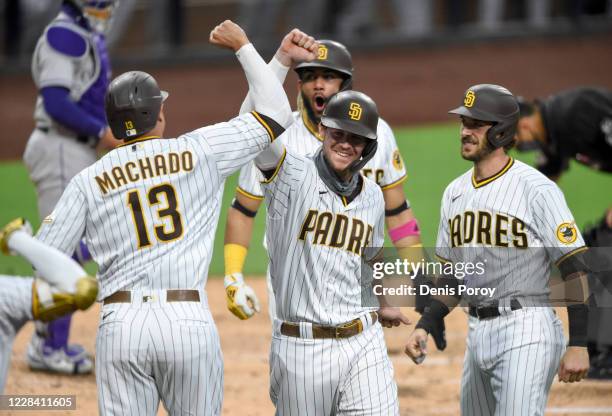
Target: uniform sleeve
280 72
277 189
53 266
65 226
249 182
557 228
392 162
235 143
443 248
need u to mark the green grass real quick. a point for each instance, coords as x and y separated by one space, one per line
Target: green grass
432 158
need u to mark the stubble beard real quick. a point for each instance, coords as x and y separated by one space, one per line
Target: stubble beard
484 149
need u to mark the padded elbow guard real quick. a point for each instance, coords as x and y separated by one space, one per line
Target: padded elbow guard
49 304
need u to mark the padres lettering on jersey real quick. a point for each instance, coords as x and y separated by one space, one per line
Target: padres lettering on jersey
517 220
485 228
332 230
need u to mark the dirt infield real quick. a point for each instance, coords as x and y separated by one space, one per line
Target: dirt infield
430 389
413 85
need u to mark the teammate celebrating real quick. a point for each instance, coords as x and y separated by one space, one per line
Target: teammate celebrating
71 70
500 211
62 287
149 210
321 216
330 72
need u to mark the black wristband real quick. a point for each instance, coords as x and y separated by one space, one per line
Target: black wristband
395 211
433 313
237 205
578 317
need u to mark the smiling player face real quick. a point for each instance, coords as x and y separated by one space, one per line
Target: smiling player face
474 143
317 85
341 149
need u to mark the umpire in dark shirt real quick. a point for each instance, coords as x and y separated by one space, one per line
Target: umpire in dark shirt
573 124
577 124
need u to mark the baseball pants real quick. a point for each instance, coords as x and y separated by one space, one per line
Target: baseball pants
510 363
151 350
350 376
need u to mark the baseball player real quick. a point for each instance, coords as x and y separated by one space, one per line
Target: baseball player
577 124
71 70
328 351
148 210
330 72
62 287
499 213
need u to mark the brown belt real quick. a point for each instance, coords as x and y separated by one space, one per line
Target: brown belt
345 330
172 295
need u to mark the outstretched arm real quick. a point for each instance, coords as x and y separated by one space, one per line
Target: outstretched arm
63 286
267 93
52 265
295 47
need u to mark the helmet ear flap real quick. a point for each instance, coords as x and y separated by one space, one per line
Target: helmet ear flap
368 153
500 134
347 84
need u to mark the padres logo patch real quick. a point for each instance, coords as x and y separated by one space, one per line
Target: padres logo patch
470 97
322 52
355 111
567 233
398 163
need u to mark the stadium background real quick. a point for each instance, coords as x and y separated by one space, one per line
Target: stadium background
414 79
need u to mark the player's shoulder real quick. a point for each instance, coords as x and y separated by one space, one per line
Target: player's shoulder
383 126
529 177
372 191
370 186
66 37
299 159
385 134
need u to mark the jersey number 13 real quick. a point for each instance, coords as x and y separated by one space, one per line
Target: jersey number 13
156 196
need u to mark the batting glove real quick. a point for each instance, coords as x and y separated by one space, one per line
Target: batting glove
241 298
18 224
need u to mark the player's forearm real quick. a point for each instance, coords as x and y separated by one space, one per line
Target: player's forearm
238 232
66 112
279 70
266 91
410 237
239 228
53 266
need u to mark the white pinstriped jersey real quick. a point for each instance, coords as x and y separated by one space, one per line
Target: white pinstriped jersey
149 209
504 219
386 167
315 239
